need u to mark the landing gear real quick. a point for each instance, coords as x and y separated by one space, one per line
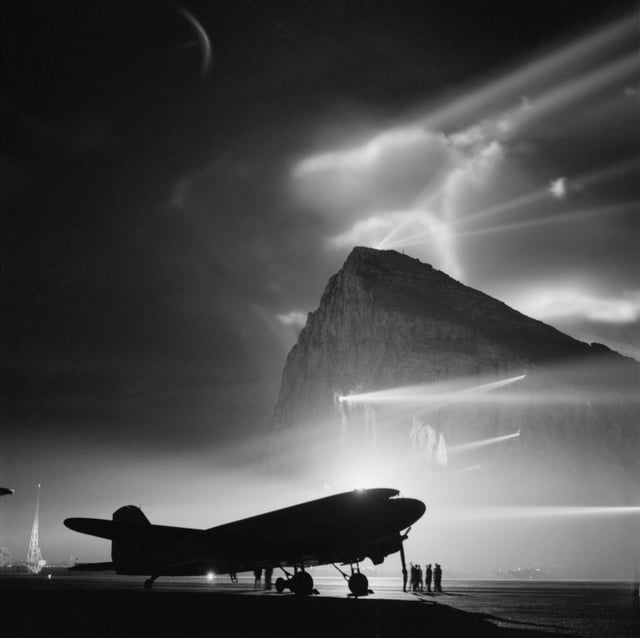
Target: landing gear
358 582
148 584
403 538
300 583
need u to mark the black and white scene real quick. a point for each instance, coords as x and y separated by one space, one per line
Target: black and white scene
320 318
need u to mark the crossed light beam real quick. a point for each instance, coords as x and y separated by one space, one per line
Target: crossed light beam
586 180
569 216
534 511
427 394
473 445
521 81
547 95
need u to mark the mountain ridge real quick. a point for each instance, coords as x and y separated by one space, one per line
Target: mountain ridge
386 320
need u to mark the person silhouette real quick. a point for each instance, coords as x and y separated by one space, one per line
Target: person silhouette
437 578
428 577
268 572
257 577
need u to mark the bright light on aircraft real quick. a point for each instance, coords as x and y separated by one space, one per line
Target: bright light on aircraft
210 576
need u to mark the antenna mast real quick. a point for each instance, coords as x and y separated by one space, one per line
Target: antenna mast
34 556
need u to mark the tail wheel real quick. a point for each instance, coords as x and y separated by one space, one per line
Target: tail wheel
358 584
280 585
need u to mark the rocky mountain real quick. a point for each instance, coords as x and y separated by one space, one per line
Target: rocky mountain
403 364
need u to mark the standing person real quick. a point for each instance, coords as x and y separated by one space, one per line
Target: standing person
437 578
404 578
257 577
420 581
268 572
428 577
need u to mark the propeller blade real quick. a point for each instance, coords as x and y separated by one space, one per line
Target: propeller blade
404 567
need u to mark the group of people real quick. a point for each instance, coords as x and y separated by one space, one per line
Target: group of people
257 578
420 581
420 584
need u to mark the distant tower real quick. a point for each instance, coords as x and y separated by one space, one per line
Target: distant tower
35 561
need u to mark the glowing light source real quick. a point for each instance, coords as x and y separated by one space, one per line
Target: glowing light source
210 576
558 187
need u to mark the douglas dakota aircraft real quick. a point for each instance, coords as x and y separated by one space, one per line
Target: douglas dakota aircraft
343 528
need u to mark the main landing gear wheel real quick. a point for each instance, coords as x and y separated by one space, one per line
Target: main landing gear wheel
301 583
358 584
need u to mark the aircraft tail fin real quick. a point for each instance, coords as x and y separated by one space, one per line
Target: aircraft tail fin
130 517
130 544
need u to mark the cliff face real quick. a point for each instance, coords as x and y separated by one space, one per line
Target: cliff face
389 321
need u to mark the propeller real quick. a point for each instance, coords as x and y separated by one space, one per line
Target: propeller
403 537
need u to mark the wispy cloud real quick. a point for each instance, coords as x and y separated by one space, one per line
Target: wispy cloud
571 302
404 186
293 318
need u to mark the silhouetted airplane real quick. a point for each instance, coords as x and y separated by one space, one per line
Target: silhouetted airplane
344 528
4 491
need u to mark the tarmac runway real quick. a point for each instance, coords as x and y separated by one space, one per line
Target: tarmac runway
96 606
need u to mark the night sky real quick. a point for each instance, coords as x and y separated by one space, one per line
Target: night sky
180 181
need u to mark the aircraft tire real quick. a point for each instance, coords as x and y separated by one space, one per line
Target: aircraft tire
359 584
280 585
148 583
302 584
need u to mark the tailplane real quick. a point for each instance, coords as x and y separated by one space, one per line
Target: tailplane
130 533
91 567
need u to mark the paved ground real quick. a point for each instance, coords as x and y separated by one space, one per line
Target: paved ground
117 606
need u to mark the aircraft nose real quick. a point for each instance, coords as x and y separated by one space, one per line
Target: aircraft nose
411 509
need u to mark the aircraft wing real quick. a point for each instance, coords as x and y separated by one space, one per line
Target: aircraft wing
339 528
